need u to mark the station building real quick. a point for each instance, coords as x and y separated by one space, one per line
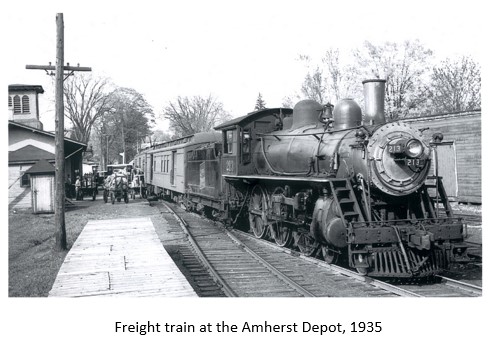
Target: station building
29 144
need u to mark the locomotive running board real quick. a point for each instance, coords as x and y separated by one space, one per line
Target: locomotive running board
274 178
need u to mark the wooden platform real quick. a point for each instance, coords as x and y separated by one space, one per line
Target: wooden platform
122 257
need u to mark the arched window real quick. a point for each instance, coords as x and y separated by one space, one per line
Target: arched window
25 104
17 107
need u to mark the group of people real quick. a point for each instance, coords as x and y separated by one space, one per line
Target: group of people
72 190
110 183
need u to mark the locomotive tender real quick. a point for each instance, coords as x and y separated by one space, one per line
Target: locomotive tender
324 179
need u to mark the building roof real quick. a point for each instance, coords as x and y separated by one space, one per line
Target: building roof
20 87
41 167
45 132
29 153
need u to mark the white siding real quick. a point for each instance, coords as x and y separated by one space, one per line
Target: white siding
18 197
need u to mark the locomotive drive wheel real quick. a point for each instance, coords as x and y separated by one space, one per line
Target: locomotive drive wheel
282 235
257 212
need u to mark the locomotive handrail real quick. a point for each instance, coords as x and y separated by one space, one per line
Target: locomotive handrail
388 223
309 134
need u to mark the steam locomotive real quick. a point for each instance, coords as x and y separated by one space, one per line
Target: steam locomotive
327 180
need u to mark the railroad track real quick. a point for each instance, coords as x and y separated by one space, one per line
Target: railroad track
445 287
245 266
474 218
441 286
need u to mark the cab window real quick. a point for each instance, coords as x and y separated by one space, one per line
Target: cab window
246 146
228 141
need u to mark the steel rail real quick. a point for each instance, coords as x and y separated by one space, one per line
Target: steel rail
340 270
463 285
225 287
270 267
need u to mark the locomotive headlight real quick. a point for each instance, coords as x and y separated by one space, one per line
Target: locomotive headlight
414 148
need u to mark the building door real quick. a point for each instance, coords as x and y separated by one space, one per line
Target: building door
43 193
447 167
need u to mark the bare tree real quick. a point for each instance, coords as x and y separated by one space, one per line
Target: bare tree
159 136
125 122
331 80
86 98
314 86
405 67
342 78
456 85
191 115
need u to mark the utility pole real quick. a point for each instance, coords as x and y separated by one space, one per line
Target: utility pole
59 209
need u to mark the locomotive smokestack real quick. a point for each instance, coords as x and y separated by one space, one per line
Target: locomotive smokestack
374 101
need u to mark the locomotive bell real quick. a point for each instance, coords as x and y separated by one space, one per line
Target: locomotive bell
347 114
306 112
374 101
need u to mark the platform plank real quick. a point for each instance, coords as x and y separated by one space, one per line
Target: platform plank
120 257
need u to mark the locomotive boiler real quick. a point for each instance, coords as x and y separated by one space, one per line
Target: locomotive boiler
334 182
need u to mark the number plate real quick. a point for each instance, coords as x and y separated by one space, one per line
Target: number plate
415 162
395 148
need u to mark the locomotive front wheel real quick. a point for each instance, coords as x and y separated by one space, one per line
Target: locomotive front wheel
329 255
257 212
363 271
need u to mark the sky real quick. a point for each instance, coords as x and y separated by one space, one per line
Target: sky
232 50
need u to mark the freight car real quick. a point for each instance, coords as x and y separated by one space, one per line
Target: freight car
325 180
460 152
164 165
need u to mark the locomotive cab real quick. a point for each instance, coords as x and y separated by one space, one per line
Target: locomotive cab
241 135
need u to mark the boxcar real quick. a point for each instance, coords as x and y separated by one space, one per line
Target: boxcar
459 155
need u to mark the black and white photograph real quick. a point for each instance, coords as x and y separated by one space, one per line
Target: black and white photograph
226 171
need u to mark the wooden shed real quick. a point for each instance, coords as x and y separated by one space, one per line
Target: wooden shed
460 157
42 184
